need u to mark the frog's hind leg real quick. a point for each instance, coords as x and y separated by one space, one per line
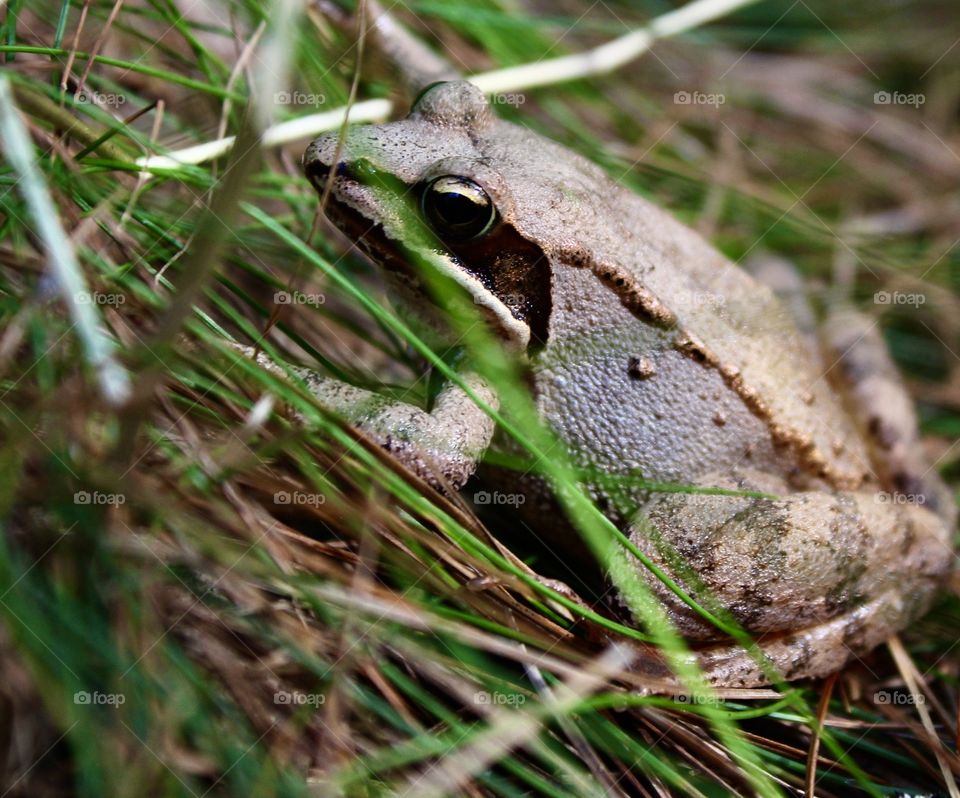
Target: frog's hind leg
812 652
816 576
854 358
864 373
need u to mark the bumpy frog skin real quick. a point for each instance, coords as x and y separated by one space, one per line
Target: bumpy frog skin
653 355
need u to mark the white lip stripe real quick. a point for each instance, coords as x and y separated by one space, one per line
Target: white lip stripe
517 330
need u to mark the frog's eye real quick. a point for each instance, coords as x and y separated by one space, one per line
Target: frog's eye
457 208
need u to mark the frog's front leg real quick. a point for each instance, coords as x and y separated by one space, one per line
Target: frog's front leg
816 576
442 446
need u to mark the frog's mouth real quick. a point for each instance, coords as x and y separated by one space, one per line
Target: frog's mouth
369 235
511 319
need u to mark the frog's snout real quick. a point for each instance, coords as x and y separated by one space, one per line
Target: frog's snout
316 173
325 155
317 159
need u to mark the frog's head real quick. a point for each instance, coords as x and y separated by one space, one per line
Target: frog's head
425 192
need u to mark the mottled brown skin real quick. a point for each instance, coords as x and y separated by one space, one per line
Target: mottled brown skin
653 355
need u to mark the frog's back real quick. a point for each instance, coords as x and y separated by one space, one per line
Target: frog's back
709 372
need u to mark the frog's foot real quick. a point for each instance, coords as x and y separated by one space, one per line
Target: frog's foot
846 569
812 652
441 446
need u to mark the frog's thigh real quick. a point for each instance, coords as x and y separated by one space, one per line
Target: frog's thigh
792 563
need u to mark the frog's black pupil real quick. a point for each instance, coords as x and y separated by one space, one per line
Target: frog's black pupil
457 207
456 210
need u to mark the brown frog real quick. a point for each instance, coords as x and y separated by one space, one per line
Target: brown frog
653 355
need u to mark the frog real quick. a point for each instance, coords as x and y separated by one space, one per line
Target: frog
807 510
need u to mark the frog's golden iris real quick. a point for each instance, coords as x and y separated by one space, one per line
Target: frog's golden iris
457 208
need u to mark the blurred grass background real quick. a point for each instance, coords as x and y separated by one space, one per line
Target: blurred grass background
199 597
